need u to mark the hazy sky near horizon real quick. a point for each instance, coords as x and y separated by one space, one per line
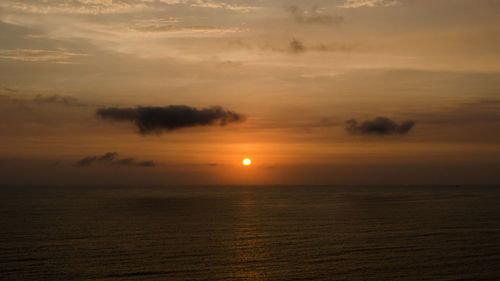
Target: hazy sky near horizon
288 77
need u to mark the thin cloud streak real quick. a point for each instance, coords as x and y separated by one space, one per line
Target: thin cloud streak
58 99
89 160
369 3
109 158
33 55
133 162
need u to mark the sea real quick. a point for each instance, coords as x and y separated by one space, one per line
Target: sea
250 233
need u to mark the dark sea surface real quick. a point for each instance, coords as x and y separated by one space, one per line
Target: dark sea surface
250 233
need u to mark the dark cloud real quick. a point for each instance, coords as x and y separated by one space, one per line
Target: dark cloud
89 160
312 16
109 156
379 126
151 119
133 162
110 159
296 46
57 99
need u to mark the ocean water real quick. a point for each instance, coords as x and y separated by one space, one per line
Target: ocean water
250 233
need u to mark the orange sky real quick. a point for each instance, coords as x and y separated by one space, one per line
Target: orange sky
296 70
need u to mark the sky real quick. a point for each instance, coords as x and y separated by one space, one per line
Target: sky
174 92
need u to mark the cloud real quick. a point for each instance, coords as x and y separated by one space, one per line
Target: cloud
85 7
109 156
41 100
184 29
296 46
312 16
89 160
369 3
110 159
9 100
10 90
221 5
152 119
34 55
133 162
174 25
379 126
57 99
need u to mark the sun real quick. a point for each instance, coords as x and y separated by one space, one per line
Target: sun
247 162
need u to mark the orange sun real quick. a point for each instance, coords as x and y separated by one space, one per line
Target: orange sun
247 162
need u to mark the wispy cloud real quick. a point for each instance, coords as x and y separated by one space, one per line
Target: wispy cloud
313 16
133 162
297 46
43 99
58 99
89 160
369 3
97 7
33 55
222 5
183 29
10 90
110 159
91 7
